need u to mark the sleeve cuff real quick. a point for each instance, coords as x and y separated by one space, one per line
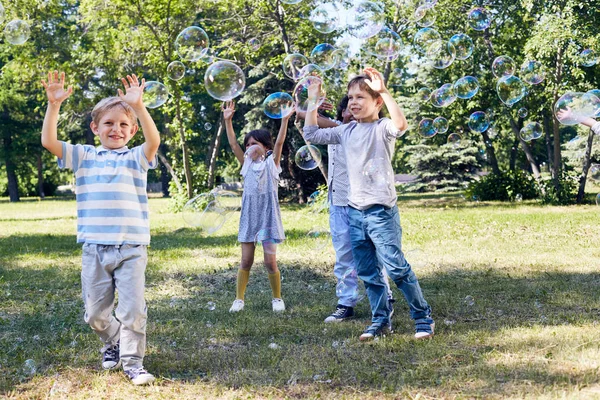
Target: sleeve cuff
596 128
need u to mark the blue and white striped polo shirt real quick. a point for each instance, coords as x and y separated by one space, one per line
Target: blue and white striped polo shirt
112 204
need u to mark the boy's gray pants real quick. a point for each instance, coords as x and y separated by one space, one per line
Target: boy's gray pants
104 269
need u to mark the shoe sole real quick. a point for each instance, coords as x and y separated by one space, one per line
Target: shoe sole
117 365
334 320
428 336
143 381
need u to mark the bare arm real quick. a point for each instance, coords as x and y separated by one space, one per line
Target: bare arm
133 96
322 122
376 83
55 90
281 138
228 109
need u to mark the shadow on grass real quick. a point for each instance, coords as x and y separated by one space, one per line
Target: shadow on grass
192 336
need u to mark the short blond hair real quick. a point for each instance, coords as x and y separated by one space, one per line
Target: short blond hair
109 103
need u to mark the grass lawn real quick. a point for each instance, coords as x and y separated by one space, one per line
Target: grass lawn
531 332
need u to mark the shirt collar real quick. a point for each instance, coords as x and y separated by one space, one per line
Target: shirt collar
101 149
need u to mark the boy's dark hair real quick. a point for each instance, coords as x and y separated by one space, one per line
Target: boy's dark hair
262 136
342 105
360 81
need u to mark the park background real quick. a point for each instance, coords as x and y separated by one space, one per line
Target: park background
508 263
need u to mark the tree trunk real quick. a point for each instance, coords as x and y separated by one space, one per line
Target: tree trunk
169 168
13 182
491 152
183 144
548 128
213 155
587 161
289 161
40 176
557 156
516 128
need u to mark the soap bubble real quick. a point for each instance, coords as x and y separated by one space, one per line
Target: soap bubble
479 19
469 301
300 94
510 89
385 45
2 13
319 237
424 94
426 128
155 94
308 157
378 175
531 131
293 64
325 17
17 32
365 19
444 96
323 56
479 122
224 80
278 105
523 112
211 305
254 153
466 87
503 66
342 58
204 212
267 239
463 45
191 43
443 58
291 1
428 41
208 126
588 58
440 124
454 140
598 199
519 198
311 69
594 172
425 16
175 70
594 92
581 105
533 72
29 367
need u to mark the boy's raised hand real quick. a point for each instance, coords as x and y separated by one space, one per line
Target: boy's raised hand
375 80
228 109
55 88
134 91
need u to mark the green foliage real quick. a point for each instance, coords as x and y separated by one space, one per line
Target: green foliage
199 177
505 186
563 193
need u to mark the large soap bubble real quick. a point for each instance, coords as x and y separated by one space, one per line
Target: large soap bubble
466 87
479 122
503 66
17 32
155 94
443 58
588 58
311 69
365 19
293 64
425 16
300 95
427 128
479 19
209 211
595 92
224 80
191 43
324 56
440 124
175 70
463 45
2 13
533 72
510 89
308 157
531 131
572 107
428 41
444 96
278 105
386 45
325 17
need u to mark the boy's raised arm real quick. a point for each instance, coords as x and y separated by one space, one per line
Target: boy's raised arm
133 96
376 83
55 90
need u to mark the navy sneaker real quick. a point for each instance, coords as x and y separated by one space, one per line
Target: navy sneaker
139 376
375 330
424 328
111 357
341 313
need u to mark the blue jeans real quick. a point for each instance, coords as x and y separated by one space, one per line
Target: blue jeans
345 269
376 241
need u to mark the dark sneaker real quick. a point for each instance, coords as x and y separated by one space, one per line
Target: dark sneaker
139 376
375 330
111 358
340 314
424 328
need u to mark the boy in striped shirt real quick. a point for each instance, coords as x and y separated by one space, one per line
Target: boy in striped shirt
112 217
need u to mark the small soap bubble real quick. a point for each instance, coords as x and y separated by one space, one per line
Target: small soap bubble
466 87
519 198
325 17
444 96
224 80
531 131
308 157
319 238
479 122
522 112
211 305
443 58
503 66
303 101
274 346
479 19
462 44
207 126
29 367
191 43
155 94
428 41
594 172
278 105
440 124
449 322
533 72
454 140
175 70
323 55
510 89
254 43
424 94
469 301
425 16
426 128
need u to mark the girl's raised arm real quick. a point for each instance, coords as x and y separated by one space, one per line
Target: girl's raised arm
281 138
228 109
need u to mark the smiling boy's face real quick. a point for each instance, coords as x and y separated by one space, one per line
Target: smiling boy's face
114 128
363 106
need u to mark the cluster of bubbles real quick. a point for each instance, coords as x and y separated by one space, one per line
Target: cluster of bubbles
16 31
209 211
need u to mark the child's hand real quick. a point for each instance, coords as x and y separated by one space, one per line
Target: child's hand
287 117
564 114
375 80
55 88
326 105
134 91
228 109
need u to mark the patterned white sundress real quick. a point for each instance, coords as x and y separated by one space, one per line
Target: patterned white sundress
260 214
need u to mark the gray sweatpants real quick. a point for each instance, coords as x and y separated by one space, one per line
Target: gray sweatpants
104 269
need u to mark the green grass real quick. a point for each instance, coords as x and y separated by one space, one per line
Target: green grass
532 332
